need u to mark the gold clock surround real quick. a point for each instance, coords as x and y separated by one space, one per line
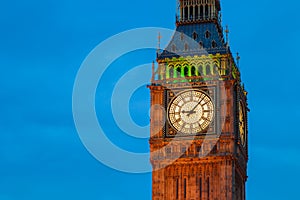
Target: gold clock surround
191 112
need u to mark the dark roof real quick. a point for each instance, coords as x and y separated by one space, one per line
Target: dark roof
188 39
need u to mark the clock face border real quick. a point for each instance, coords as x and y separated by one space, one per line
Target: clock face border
170 95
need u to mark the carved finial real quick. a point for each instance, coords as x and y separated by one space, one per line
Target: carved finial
153 72
159 40
238 58
227 35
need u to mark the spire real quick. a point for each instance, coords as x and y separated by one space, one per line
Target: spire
193 11
158 42
153 72
159 39
227 36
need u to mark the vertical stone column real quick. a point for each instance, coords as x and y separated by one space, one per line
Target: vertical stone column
183 12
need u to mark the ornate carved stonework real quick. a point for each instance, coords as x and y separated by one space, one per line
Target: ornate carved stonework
210 164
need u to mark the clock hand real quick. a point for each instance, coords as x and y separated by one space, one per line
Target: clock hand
193 110
188 112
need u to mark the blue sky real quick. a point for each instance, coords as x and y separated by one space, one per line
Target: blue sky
42 45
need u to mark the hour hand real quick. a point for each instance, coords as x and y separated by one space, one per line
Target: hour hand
191 112
188 112
185 112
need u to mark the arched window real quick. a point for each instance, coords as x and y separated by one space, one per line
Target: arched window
217 69
191 13
201 12
186 71
186 13
208 71
200 70
201 44
207 34
213 44
195 36
178 70
193 71
196 12
206 11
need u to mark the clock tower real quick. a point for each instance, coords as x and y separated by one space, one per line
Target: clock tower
198 142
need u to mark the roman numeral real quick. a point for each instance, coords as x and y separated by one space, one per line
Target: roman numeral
205 119
206 102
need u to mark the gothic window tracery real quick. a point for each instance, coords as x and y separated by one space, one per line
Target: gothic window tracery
192 180
197 12
186 13
198 9
191 13
193 71
178 70
201 44
213 44
201 12
207 34
217 69
200 69
195 36
208 70
206 11
186 71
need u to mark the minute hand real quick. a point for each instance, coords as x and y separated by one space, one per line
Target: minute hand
192 111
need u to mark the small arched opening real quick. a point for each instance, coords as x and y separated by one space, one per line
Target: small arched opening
186 13
193 71
213 44
186 71
208 70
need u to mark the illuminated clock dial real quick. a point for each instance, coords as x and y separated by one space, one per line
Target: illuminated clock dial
242 125
191 112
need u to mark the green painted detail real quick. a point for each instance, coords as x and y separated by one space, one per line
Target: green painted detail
234 72
181 72
185 67
168 73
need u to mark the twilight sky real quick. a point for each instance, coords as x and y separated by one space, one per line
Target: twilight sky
42 46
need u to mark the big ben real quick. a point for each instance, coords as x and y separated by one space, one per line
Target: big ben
199 134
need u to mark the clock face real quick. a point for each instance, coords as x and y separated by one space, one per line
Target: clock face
242 125
191 112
